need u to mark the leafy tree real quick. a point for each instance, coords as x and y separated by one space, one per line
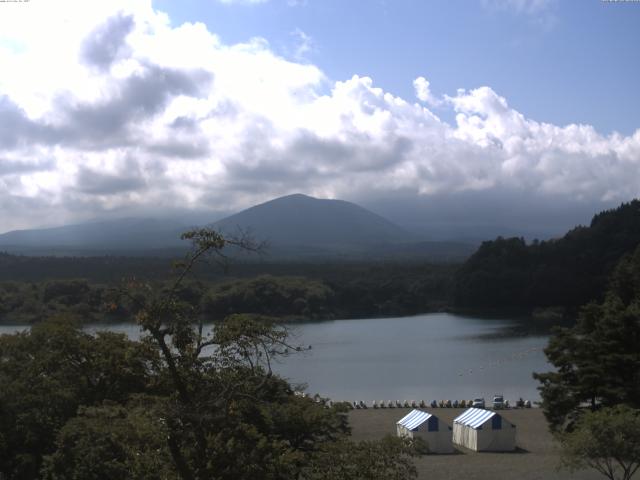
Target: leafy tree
112 441
179 404
47 373
213 407
65 291
598 360
229 415
607 440
389 459
268 295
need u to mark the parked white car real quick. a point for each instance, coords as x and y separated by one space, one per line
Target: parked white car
498 402
478 403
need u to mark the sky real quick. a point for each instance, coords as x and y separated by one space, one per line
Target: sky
450 117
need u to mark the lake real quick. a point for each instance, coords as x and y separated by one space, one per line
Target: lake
425 357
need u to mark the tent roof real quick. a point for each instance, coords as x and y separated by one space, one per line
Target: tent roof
414 419
474 417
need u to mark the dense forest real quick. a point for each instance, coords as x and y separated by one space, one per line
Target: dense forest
503 275
569 271
332 291
591 396
597 360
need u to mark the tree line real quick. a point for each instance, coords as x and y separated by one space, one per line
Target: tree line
592 397
374 291
569 272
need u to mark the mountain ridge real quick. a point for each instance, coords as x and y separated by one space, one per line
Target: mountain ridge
294 226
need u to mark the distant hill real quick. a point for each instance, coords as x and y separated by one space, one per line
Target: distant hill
298 226
300 220
569 271
295 227
121 235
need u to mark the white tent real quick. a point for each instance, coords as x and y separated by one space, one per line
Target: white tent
419 424
483 430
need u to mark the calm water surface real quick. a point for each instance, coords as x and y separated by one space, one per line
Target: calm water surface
431 356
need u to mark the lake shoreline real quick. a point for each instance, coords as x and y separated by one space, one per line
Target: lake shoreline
424 357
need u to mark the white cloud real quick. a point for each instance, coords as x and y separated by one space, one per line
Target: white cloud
304 44
423 92
113 108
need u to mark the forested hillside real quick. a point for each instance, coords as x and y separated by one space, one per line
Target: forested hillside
569 271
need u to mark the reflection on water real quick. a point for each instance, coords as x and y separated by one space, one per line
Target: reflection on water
432 356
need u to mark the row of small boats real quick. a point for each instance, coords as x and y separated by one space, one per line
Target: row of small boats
361 405
422 404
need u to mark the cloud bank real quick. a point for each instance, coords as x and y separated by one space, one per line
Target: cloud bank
109 108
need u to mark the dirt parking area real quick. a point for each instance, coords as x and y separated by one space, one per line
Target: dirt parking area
537 455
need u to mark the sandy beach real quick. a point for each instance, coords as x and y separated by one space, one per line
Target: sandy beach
537 456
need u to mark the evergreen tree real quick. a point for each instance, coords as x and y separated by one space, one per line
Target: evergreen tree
569 271
598 360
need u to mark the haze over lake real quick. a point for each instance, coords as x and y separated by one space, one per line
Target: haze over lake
425 357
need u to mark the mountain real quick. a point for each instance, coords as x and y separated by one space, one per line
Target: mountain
121 236
302 227
294 227
300 220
